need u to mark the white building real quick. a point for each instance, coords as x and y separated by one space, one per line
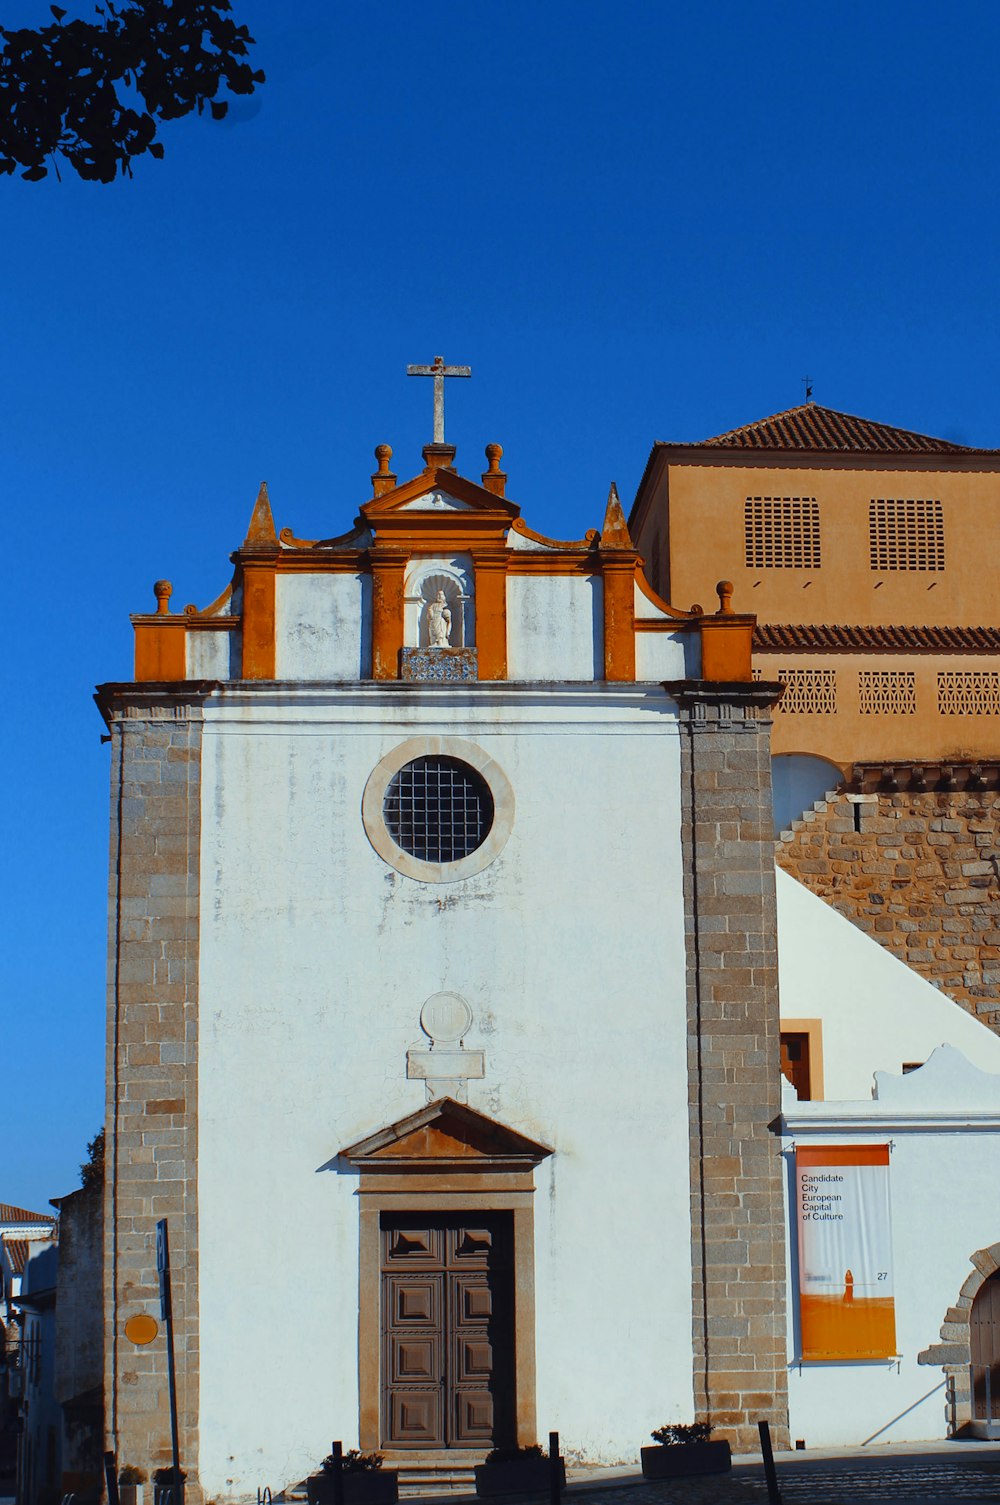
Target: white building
444 979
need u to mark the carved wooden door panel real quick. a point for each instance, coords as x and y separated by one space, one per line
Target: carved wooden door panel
984 1334
447 1331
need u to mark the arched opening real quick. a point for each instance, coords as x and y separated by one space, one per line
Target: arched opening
798 780
984 1351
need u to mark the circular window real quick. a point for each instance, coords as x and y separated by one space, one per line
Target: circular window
438 809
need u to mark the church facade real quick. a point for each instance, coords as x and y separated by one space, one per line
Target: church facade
443 1021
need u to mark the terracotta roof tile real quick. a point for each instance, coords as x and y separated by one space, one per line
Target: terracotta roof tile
11 1214
17 1254
805 637
813 427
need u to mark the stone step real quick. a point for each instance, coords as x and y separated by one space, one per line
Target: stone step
417 1480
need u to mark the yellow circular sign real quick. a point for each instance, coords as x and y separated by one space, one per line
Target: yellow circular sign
141 1329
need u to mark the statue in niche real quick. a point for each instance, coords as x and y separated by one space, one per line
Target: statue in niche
439 622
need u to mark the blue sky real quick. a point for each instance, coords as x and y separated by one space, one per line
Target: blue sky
635 221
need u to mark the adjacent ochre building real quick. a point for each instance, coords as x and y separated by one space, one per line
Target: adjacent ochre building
863 550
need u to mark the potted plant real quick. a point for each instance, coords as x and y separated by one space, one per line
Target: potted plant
364 1479
516 1471
685 1449
130 1482
167 1491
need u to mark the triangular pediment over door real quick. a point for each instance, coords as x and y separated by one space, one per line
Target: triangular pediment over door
445 1134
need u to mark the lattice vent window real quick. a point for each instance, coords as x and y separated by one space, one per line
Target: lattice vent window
808 692
906 535
968 694
781 532
887 693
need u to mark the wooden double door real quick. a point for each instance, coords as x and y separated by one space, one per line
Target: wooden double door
984 1324
448 1375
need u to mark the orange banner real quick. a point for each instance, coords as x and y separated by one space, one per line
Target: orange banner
846 1305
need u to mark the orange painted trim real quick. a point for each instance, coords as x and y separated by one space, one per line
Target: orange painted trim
441 532
160 649
590 539
842 1154
388 572
519 563
726 648
491 616
485 503
813 1028
344 562
214 608
657 624
258 619
619 620
290 541
658 601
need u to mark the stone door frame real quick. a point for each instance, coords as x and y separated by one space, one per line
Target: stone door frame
954 1352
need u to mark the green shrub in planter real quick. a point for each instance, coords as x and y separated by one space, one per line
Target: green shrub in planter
516 1471
130 1484
167 1491
685 1449
364 1479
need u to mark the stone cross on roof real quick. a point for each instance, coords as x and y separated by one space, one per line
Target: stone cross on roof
439 371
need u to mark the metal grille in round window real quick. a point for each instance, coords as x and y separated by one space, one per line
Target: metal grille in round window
438 809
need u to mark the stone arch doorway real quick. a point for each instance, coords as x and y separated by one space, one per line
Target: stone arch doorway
954 1352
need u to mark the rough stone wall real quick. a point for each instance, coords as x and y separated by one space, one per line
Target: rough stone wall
152 1069
919 872
738 1221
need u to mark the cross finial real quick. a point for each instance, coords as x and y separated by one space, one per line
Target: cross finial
439 371
808 383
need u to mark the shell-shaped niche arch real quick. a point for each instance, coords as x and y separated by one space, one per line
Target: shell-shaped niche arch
424 579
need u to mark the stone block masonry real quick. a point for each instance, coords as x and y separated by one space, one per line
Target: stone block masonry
918 872
152 1048
737 1210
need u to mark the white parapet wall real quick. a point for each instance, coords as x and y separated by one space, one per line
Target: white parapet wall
875 1012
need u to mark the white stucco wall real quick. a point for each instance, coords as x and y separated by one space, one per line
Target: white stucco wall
876 1012
661 655
555 627
315 960
322 626
209 653
942 1169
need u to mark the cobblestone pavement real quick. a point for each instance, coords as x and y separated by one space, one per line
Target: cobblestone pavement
900 1480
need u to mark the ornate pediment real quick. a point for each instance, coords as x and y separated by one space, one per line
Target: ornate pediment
436 501
445 1134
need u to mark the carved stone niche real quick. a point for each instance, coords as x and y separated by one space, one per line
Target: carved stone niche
453 576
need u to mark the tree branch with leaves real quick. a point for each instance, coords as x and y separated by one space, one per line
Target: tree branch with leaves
93 92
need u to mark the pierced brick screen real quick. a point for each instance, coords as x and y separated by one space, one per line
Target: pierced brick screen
809 692
781 532
906 535
968 694
887 693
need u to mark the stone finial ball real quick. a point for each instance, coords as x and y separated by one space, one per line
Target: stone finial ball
494 453
383 452
162 590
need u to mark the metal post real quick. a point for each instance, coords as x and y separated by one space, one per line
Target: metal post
337 1453
111 1478
770 1474
167 1315
555 1471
